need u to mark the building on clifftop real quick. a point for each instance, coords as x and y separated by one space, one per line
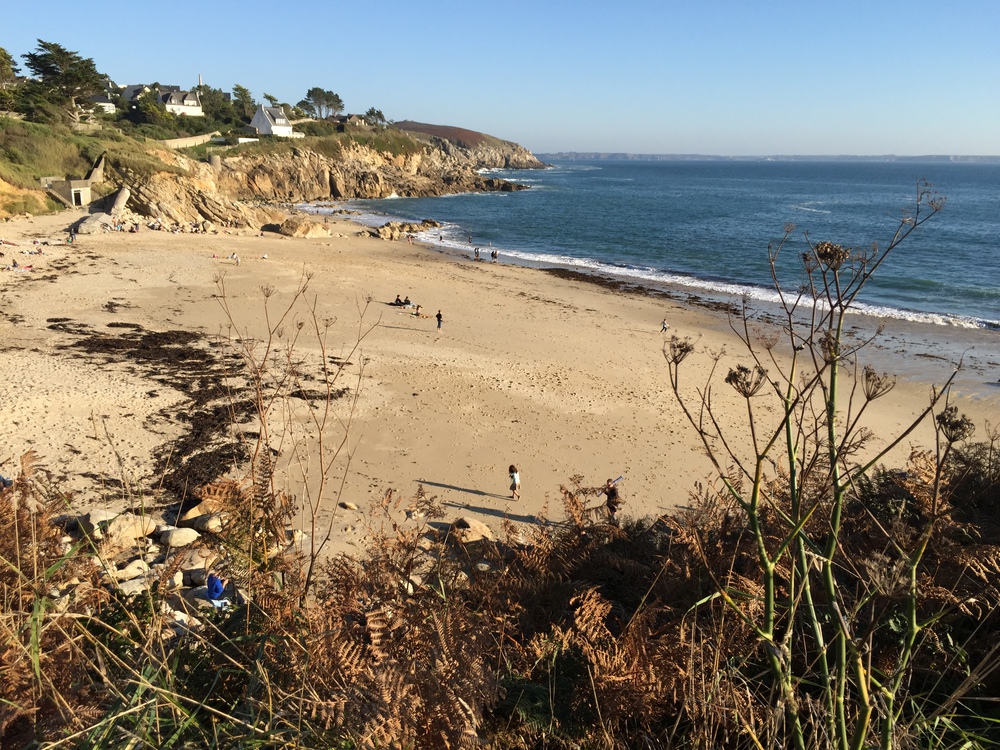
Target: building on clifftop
273 121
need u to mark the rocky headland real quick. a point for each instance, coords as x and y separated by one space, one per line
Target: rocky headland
239 188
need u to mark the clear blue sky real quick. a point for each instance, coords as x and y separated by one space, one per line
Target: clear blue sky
714 77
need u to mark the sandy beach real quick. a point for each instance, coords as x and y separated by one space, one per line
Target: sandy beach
558 376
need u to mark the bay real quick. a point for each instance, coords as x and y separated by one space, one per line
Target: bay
706 226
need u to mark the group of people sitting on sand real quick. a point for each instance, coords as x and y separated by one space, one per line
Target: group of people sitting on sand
407 304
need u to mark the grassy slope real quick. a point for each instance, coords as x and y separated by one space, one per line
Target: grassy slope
29 151
459 136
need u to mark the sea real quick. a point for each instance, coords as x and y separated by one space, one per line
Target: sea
704 228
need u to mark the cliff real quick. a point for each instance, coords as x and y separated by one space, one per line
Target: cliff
390 163
483 151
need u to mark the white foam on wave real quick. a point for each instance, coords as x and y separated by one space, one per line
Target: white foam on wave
808 208
739 291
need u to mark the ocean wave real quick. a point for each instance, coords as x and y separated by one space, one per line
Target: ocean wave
808 208
737 291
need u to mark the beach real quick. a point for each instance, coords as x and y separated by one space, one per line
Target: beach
561 377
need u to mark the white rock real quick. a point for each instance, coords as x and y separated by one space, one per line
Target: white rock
133 586
468 530
138 567
179 537
128 527
90 523
209 522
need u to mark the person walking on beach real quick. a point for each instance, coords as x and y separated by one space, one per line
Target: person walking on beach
440 318
494 255
515 483
664 326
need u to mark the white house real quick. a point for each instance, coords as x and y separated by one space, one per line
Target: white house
272 121
103 103
182 103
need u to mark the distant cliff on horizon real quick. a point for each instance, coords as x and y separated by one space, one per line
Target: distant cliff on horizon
930 158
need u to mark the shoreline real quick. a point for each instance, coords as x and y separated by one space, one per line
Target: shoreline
559 376
951 341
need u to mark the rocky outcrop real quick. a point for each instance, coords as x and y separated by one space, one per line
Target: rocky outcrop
232 195
359 172
195 197
301 226
396 230
480 150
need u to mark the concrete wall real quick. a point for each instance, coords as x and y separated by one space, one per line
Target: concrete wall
194 140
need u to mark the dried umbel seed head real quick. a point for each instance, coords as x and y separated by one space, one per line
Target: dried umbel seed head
830 255
677 349
954 426
746 381
876 385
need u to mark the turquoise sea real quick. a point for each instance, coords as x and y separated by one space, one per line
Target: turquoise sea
705 226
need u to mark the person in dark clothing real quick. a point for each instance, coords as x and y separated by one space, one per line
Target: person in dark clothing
216 585
614 501
440 318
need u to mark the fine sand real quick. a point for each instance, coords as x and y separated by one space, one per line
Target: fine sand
557 375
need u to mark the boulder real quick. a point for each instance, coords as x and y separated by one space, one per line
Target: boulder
469 530
134 569
197 599
179 537
207 505
127 527
195 577
210 523
302 226
195 558
133 586
94 223
92 524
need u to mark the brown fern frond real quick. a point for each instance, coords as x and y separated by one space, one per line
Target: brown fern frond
29 460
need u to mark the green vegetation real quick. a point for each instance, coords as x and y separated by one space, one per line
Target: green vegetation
29 151
63 80
321 103
388 141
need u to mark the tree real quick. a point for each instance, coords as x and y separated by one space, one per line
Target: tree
375 117
64 78
149 110
219 111
243 102
272 100
8 79
322 103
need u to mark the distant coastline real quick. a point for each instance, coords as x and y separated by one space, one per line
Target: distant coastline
930 158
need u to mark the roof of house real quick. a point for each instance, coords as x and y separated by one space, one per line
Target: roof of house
276 115
185 98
